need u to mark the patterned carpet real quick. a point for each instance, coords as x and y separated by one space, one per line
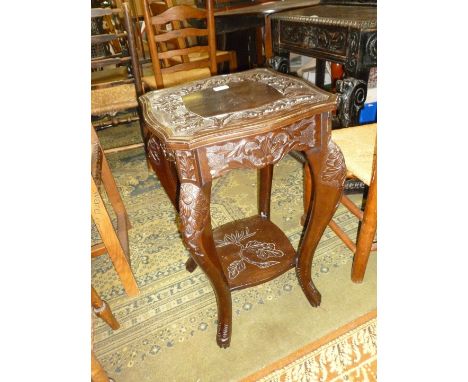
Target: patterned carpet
347 354
176 310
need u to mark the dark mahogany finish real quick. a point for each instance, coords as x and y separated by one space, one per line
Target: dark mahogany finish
198 137
344 34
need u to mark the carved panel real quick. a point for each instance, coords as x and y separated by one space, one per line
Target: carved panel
156 149
333 171
253 252
258 151
353 52
371 46
194 212
352 95
186 165
308 36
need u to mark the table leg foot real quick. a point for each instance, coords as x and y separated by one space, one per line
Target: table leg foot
223 335
190 265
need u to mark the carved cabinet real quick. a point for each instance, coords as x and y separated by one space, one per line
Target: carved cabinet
345 34
204 129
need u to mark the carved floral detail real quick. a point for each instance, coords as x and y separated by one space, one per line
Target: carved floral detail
263 149
352 95
166 106
154 150
256 248
353 51
186 165
194 213
334 170
371 46
314 37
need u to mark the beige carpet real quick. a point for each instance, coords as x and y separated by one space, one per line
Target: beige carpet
168 332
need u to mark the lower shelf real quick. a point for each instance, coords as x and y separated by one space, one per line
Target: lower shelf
252 251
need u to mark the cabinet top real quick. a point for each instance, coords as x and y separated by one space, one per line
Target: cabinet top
342 15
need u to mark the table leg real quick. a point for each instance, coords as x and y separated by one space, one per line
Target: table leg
194 211
328 174
265 176
320 73
164 170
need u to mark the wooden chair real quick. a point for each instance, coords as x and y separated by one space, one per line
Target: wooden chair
102 310
170 62
116 76
359 148
115 244
222 56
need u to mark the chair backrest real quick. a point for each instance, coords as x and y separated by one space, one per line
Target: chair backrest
177 23
116 41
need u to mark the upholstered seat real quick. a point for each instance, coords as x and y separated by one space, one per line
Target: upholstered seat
113 99
357 144
178 78
115 76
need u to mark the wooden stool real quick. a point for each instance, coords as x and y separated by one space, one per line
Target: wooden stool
202 130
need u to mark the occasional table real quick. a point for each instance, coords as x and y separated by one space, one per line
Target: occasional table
202 130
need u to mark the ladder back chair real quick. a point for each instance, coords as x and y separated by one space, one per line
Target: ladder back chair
359 147
170 62
116 72
114 242
222 56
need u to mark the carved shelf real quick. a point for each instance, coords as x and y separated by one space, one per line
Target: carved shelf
252 251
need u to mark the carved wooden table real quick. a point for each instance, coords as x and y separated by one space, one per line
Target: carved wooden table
345 34
202 130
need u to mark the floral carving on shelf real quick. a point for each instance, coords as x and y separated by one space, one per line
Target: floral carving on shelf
247 251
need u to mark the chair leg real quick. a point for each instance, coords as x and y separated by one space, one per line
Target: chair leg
102 310
232 62
98 374
114 247
367 232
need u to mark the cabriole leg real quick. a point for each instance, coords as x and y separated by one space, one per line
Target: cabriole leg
194 210
328 173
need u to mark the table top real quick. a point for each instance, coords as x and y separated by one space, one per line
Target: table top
343 15
267 8
231 106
